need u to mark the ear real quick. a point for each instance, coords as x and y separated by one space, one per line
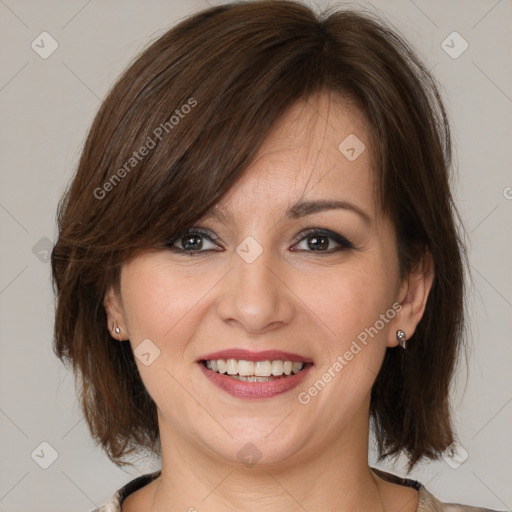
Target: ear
115 314
412 296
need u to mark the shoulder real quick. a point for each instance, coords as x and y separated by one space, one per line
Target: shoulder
427 502
115 502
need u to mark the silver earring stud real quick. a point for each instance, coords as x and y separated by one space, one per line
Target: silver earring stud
402 339
116 329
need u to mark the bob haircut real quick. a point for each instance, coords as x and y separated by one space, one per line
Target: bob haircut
179 128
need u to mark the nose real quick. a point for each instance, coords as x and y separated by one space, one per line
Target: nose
255 295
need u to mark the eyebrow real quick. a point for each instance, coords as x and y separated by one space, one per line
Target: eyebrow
300 209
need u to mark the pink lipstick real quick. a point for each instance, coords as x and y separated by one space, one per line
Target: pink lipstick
268 386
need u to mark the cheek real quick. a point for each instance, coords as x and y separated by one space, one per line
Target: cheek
157 302
351 299
350 304
159 306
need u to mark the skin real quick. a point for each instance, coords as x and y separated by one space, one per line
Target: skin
313 456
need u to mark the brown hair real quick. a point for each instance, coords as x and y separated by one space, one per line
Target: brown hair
201 99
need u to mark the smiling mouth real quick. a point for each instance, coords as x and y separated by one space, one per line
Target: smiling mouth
255 371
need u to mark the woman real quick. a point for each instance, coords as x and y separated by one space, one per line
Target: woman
258 256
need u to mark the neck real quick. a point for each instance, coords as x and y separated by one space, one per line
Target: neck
334 476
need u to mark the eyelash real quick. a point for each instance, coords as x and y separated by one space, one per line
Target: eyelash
339 239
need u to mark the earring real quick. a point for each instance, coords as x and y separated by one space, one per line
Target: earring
402 340
116 329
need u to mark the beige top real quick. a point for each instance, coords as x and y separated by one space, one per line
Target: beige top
426 503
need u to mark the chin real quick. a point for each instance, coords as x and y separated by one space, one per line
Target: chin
247 449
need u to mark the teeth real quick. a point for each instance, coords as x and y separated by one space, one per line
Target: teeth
277 367
252 378
261 368
222 366
245 368
248 370
296 367
232 366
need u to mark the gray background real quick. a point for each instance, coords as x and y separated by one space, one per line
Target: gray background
46 107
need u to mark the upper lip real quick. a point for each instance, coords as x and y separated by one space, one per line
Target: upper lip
249 355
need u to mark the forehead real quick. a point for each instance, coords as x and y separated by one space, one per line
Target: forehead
320 120
316 157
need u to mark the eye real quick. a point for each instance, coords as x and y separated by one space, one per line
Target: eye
191 241
319 241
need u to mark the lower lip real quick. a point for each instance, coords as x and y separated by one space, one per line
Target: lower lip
243 389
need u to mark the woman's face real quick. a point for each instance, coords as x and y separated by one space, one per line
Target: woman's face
264 283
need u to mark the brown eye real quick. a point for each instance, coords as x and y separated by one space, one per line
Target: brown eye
191 241
320 240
